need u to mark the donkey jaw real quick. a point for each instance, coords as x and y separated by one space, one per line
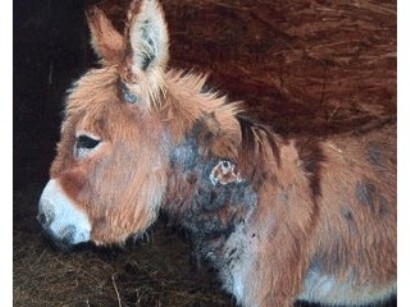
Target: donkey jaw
63 221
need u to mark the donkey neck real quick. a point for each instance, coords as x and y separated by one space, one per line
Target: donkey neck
210 210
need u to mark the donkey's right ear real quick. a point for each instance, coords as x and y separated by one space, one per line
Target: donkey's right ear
107 43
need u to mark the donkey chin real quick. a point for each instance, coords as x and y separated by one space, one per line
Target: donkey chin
66 225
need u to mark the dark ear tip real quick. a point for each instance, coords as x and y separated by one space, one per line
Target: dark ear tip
133 9
91 12
91 3
95 8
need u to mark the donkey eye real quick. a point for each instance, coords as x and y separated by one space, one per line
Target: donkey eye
84 141
85 145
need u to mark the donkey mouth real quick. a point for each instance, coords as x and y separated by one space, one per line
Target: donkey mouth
64 245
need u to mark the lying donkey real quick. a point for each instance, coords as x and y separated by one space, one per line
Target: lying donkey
280 218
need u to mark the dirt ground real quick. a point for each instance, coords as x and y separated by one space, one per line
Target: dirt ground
304 66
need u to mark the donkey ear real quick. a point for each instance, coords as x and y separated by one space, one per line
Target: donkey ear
107 43
148 35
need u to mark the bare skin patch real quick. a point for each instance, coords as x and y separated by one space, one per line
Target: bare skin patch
225 172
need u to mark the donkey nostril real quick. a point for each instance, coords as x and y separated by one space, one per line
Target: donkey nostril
68 232
41 218
45 219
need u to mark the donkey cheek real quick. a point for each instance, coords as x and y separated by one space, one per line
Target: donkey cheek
117 228
72 183
100 231
105 232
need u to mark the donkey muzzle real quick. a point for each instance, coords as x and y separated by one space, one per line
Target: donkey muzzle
60 217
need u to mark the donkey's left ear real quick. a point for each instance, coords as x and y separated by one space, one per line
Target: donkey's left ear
148 35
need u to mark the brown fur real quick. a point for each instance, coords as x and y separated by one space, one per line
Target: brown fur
288 212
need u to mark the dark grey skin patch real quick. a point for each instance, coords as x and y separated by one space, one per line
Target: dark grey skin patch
349 218
375 155
186 154
347 214
315 264
282 197
126 94
384 206
336 255
366 193
210 211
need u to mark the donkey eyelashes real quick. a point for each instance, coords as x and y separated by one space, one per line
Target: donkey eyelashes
84 145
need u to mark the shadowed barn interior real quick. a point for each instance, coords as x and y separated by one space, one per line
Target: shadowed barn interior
308 67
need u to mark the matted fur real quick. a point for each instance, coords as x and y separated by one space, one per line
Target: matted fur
280 218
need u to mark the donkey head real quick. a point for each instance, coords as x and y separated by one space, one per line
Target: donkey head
109 174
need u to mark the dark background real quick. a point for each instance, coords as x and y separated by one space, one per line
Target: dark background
50 50
307 67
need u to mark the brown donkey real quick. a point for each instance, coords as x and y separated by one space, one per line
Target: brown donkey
280 218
